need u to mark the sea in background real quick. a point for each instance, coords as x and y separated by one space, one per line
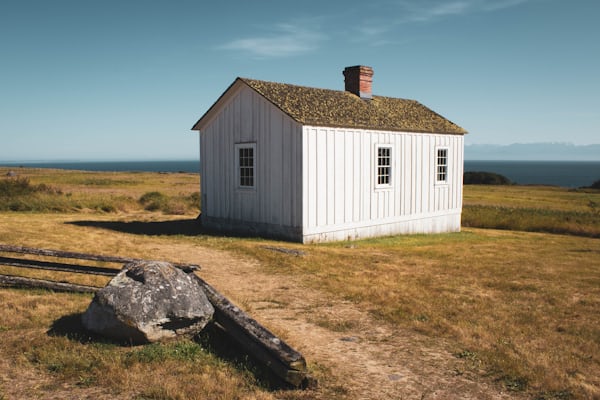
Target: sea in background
557 173
111 166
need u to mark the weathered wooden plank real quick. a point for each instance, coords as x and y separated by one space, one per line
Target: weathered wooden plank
19 281
81 256
278 356
54 266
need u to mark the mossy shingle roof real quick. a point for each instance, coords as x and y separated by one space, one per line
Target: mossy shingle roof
323 107
341 109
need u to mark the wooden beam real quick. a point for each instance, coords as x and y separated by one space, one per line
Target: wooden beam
276 355
19 281
82 256
285 362
53 266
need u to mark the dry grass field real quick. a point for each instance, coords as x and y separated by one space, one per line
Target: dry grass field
484 313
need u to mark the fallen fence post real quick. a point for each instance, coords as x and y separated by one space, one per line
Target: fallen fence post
272 352
54 266
19 281
285 362
82 256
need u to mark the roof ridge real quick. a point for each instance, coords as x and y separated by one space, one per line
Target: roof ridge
246 79
342 109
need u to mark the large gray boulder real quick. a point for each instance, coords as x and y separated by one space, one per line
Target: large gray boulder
149 301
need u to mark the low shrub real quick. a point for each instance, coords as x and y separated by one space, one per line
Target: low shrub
154 201
485 178
177 205
15 187
19 194
596 185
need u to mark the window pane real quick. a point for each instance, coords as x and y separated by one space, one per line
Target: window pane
442 165
246 166
384 165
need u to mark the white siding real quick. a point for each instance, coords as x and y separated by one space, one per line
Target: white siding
246 117
340 200
319 183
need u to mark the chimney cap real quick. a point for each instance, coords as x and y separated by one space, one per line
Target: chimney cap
358 80
361 68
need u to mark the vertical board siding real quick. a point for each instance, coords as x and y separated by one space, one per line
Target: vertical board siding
323 180
340 172
357 177
248 118
339 191
348 188
331 176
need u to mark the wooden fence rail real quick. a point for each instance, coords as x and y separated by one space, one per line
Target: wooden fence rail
272 352
81 256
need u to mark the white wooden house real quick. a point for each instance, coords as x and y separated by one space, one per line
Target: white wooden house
314 165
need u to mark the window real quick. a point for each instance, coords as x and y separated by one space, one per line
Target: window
384 166
441 166
246 165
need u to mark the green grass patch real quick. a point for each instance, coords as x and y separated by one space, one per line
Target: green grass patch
532 220
154 201
173 205
533 209
91 192
106 182
182 350
22 186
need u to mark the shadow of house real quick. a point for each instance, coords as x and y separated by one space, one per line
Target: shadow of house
180 227
184 227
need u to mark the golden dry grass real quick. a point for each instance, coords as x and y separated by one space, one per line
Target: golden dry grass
541 197
177 370
533 209
521 308
84 191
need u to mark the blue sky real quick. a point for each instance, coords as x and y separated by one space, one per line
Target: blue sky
103 80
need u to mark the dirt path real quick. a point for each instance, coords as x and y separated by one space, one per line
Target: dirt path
363 358
367 359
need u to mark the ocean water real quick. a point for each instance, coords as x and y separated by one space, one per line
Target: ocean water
557 173
111 166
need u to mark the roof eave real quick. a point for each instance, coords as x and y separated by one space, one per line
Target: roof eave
199 123
384 128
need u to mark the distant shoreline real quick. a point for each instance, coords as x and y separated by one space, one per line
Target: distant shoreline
570 174
555 173
192 166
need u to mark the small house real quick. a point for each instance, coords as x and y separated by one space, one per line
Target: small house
314 165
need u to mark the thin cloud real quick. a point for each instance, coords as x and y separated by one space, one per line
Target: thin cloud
425 11
285 40
501 4
432 10
440 10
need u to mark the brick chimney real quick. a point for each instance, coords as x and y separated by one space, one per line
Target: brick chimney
358 80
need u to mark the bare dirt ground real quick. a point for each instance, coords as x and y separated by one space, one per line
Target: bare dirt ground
367 359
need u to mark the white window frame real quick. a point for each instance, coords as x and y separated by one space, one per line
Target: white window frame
442 170
378 173
239 167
